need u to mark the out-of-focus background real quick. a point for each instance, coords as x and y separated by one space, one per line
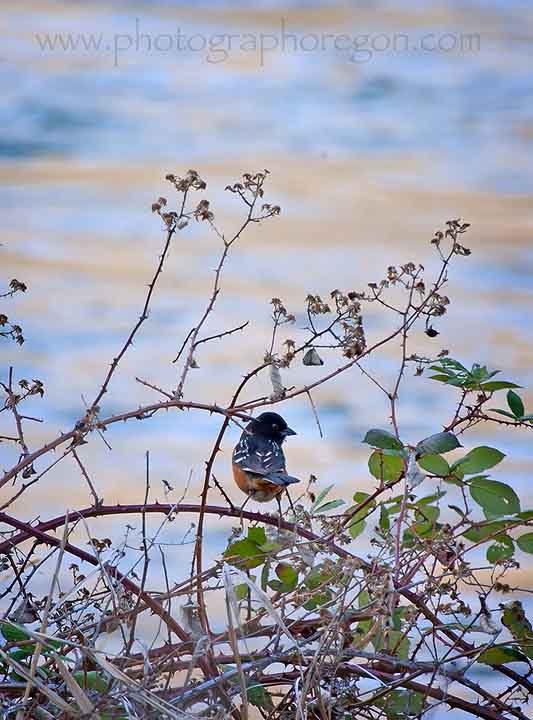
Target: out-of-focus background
378 122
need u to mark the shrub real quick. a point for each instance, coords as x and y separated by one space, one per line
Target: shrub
313 629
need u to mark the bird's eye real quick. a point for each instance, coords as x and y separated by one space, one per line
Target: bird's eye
274 426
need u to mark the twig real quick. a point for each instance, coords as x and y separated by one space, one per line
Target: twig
46 613
315 413
144 315
85 474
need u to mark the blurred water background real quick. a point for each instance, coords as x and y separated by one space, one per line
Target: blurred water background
371 149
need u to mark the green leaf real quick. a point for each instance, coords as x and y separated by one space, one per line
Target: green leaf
358 520
400 704
360 497
259 697
434 464
479 459
503 549
394 503
363 599
501 655
479 532
427 514
446 371
525 543
244 552
515 403
363 626
409 539
445 364
454 478
494 385
277 586
22 653
321 495
384 519
440 443
386 468
422 529
515 620
288 576
431 498
317 599
503 412
241 591
459 382
257 535
496 498
356 528
440 378
398 645
397 616
242 548
481 373
270 547
264 576
382 439
331 505
91 680
456 475
317 577
13 633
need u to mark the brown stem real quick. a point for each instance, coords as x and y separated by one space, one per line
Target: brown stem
144 315
39 531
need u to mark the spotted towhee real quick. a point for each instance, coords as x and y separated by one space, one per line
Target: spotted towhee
258 460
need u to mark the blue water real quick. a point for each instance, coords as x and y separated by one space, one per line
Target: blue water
475 106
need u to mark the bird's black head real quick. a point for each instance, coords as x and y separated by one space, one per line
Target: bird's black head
270 425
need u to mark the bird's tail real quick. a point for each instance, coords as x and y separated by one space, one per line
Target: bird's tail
282 479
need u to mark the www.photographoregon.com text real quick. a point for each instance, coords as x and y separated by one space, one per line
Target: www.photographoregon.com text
218 47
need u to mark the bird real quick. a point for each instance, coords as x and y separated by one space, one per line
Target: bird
258 460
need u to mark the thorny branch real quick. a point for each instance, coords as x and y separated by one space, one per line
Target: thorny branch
393 633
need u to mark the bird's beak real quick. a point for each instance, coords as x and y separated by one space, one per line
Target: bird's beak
289 431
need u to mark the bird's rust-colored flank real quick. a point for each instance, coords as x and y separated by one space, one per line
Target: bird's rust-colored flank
255 484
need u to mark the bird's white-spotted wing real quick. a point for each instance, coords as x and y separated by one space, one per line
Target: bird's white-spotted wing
259 456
